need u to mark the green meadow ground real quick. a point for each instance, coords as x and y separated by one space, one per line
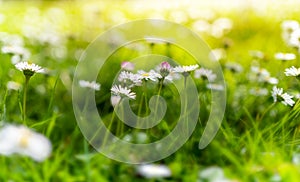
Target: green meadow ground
258 140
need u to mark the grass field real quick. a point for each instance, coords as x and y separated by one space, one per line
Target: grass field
259 137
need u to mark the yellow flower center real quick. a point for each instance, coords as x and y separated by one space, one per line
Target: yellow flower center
145 74
24 138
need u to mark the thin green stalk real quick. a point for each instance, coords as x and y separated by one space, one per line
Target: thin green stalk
27 78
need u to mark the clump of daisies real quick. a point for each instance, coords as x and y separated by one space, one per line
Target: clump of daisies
262 75
279 96
28 69
24 141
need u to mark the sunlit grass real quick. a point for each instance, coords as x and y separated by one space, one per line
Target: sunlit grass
256 142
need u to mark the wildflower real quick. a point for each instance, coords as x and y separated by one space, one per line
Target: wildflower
217 54
11 85
234 67
294 39
278 95
151 75
19 53
285 56
129 66
256 54
205 73
29 69
288 27
165 69
258 91
214 86
130 79
221 26
154 171
115 99
292 71
118 90
86 84
263 75
22 140
212 174
185 70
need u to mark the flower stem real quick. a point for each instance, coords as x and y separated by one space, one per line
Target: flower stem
27 78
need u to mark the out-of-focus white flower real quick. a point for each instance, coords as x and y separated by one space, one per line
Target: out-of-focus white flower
278 95
19 53
217 54
214 86
213 174
185 70
118 90
11 85
221 26
154 171
151 75
202 26
257 54
285 56
292 71
171 77
205 73
234 67
294 39
258 91
288 27
262 75
126 65
130 79
22 140
29 68
86 84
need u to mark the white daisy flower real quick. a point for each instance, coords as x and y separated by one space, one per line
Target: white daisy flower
234 67
151 75
214 86
154 171
262 75
217 54
130 79
11 85
285 56
115 99
213 173
290 25
22 140
29 68
278 95
292 71
259 91
294 39
118 90
185 70
257 54
205 73
86 84
126 65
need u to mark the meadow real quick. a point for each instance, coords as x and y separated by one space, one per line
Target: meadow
256 45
